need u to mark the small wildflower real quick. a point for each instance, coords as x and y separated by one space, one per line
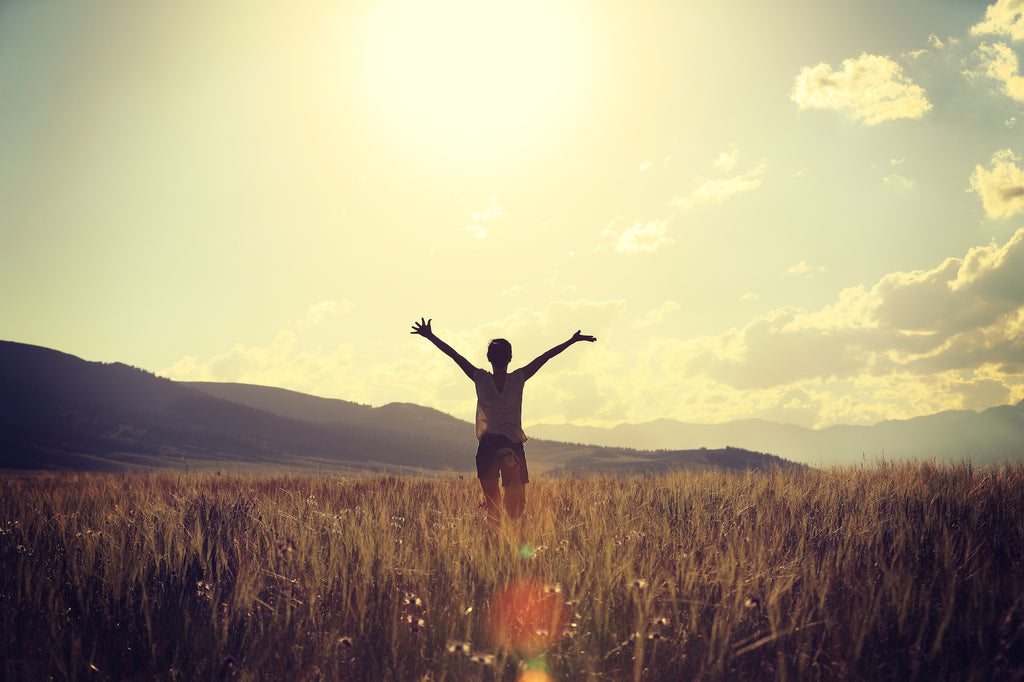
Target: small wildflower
469 610
483 659
752 603
640 583
346 642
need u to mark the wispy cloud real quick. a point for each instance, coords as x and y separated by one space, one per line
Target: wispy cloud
282 362
487 211
872 87
726 161
318 312
805 270
638 237
719 191
1000 187
658 315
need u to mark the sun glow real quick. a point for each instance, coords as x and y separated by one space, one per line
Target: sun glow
474 77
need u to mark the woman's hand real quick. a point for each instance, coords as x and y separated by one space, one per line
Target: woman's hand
582 337
422 328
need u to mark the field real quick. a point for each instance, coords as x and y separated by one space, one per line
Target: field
911 571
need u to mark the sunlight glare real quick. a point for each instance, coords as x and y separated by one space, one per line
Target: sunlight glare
473 76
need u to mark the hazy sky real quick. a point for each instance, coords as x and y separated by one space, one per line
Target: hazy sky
802 211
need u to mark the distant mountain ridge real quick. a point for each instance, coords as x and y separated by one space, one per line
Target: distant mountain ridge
58 411
993 436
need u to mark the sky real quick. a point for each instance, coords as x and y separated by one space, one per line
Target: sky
805 212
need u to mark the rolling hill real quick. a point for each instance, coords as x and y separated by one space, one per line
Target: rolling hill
59 412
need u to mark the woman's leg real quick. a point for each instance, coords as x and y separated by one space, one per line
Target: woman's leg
492 495
515 497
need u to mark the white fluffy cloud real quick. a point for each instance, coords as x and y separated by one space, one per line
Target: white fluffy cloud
873 87
1000 187
1000 63
914 343
1005 17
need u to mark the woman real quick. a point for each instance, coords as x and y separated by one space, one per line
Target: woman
499 427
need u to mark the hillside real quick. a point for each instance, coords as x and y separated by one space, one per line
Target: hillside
60 412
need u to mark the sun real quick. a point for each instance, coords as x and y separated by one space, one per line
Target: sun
473 77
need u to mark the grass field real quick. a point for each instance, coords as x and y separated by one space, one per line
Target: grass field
911 571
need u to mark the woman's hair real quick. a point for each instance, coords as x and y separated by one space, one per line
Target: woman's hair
499 351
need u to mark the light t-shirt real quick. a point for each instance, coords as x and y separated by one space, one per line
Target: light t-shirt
500 412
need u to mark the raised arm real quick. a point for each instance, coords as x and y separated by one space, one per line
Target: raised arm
537 363
423 329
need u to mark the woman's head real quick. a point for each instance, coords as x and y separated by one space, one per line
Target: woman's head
499 352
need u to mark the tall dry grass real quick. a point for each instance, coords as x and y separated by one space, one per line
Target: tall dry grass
907 571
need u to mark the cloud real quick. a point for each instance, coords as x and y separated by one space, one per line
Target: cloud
872 86
726 161
913 343
897 180
719 191
486 211
278 364
646 165
1001 187
657 316
1005 18
639 237
281 363
802 268
318 312
1000 63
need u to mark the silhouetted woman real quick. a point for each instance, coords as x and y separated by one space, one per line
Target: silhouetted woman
499 421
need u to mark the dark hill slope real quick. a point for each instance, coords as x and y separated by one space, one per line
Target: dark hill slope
61 412
58 411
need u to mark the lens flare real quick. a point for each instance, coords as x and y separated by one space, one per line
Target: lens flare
527 618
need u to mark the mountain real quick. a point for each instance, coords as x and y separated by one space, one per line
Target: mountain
60 412
993 436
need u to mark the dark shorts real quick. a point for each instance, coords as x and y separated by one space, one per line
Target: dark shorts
493 457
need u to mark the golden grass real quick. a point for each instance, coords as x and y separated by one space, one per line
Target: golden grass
891 572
